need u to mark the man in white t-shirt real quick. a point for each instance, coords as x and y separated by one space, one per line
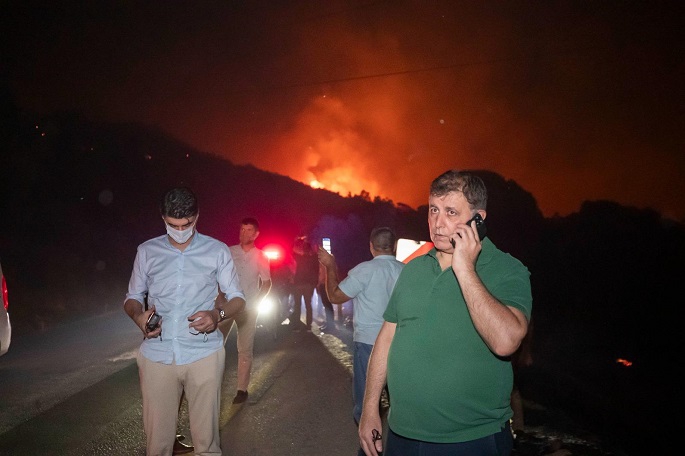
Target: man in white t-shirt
254 273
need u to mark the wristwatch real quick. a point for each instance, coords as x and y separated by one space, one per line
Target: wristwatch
222 315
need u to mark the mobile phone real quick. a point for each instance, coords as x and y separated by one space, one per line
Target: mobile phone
480 225
326 242
152 322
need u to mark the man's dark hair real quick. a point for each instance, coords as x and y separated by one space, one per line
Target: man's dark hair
250 221
383 239
178 203
465 182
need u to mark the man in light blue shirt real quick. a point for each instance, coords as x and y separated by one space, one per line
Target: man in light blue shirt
180 272
369 285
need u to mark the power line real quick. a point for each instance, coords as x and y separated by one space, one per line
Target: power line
497 61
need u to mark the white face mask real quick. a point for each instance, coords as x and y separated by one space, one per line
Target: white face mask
181 236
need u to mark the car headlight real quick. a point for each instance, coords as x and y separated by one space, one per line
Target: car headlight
266 306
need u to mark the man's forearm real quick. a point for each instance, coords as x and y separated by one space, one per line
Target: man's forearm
133 308
335 294
331 278
231 307
378 367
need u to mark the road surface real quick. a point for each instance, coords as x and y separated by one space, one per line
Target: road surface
73 390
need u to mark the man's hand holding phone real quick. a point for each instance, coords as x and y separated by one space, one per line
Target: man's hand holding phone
325 258
467 244
480 228
153 324
324 252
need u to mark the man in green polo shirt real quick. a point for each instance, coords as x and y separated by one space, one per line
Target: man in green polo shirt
455 316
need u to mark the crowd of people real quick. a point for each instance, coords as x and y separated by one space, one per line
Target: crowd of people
437 334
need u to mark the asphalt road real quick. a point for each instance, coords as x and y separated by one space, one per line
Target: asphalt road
73 390
44 368
67 391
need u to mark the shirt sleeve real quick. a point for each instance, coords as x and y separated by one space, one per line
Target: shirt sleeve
227 276
515 291
137 285
352 285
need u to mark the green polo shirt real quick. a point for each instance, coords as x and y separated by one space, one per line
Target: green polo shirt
445 384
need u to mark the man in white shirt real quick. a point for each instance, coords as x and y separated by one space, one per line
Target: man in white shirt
254 273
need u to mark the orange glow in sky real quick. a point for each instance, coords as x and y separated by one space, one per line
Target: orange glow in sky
385 97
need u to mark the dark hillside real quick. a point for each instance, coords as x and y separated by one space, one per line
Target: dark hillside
84 195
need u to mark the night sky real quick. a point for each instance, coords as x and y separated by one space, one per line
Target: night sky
573 100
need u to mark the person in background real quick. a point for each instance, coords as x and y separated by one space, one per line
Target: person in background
329 324
282 273
304 282
254 273
183 352
454 317
368 285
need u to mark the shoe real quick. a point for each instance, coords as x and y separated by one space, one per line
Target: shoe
240 397
182 448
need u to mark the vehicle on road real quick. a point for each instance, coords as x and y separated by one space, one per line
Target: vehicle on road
271 314
5 326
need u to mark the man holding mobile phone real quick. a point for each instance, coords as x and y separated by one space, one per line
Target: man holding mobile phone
455 317
180 272
368 285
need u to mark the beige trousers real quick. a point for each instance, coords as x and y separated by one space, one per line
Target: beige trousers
246 324
162 385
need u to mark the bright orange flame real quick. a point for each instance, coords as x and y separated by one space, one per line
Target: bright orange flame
327 150
341 180
625 362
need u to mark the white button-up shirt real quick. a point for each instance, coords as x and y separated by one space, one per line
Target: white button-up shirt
253 269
